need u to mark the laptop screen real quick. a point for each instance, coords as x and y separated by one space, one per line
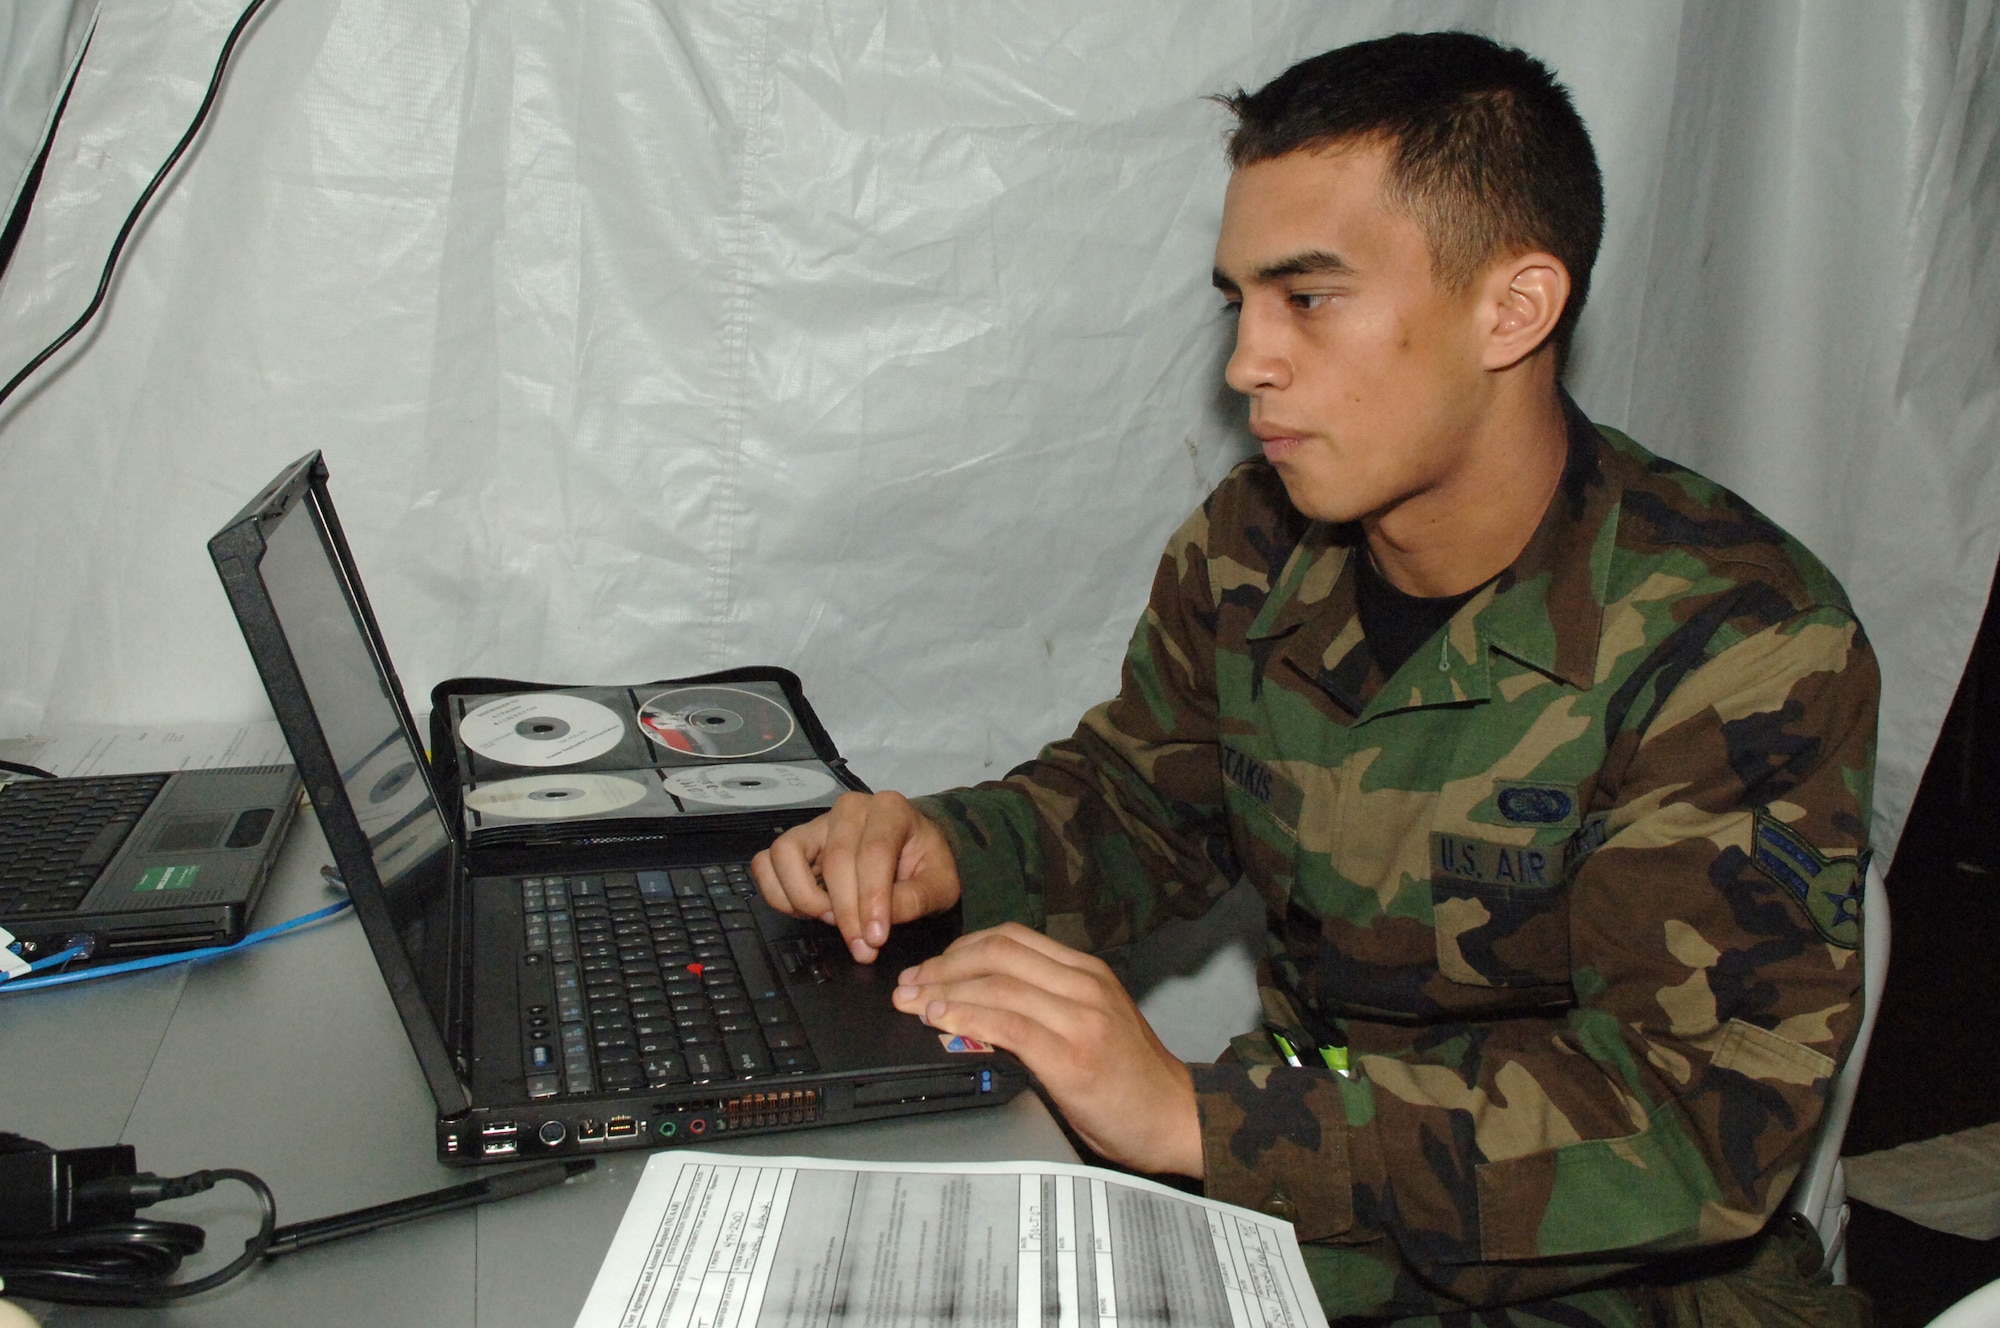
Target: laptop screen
349 688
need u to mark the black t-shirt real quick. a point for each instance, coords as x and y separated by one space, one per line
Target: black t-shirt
1396 624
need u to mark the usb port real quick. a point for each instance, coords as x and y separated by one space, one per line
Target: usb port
589 1131
500 1129
498 1148
622 1127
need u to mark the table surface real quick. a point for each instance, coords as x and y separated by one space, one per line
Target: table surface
288 1061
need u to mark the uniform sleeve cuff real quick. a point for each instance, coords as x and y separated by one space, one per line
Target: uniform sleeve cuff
1276 1140
994 840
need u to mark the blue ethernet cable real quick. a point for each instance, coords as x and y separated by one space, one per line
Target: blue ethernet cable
157 961
57 960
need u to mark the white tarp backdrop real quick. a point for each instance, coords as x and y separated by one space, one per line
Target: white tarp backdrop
875 339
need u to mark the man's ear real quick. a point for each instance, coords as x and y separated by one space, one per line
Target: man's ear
1521 300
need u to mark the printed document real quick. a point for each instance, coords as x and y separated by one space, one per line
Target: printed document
103 749
721 1241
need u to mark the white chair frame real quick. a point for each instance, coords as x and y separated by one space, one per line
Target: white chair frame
1820 1193
1980 1309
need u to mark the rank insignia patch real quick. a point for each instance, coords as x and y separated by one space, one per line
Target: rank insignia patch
1828 888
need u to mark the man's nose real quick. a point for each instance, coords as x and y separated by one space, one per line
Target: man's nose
1258 362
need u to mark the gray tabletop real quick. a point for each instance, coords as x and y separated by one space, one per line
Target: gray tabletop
288 1061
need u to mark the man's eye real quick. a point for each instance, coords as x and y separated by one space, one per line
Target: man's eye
1308 300
1231 308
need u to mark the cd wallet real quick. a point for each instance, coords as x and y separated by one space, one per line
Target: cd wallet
559 899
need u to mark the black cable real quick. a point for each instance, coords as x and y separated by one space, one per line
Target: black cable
127 1261
139 208
32 771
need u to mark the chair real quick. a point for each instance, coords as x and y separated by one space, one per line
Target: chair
1981 1309
1820 1193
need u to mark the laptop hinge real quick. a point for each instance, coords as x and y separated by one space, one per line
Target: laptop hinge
458 1018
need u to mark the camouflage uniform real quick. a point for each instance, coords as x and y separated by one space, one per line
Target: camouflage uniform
1578 883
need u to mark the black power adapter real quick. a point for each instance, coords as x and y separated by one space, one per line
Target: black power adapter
44 1190
69 1229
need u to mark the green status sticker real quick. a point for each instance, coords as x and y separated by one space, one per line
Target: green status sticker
168 878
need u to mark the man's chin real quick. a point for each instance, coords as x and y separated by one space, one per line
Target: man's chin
1312 502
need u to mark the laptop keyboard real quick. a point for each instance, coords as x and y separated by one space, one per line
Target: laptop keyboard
641 980
57 834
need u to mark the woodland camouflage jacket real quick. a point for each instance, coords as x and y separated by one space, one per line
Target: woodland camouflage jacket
1578 883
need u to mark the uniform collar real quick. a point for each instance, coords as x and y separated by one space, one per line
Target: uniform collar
1546 610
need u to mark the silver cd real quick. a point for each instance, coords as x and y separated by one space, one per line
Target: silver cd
750 786
723 723
555 797
541 729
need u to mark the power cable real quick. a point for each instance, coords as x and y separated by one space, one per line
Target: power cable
68 1231
139 208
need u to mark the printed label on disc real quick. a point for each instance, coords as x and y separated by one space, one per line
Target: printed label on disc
541 729
746 787
555 797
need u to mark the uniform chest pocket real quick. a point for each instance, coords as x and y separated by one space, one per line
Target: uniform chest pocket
1500 911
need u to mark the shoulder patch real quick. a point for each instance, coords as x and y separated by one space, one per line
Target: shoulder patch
1829 889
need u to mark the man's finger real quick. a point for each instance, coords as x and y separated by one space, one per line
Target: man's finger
1031 939
1040 1048
870 863
1017 952
1054 995
1078 1032
878 857
837 868
785 872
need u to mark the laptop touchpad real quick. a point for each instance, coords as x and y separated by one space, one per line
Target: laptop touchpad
186 834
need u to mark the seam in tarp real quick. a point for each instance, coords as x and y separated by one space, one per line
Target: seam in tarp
752 95
22 198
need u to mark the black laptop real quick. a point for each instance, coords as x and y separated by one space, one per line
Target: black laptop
577 996
138 864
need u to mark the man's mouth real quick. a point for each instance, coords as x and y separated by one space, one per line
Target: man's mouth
1278 443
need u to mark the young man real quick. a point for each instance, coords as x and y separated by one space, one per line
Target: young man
1550 759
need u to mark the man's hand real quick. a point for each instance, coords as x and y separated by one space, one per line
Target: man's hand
1077 1029
871 862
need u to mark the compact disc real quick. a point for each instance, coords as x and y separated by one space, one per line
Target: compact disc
720 722
541 729
555 797
386 787
745 786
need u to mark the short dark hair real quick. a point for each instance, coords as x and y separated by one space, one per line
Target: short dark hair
1486 152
